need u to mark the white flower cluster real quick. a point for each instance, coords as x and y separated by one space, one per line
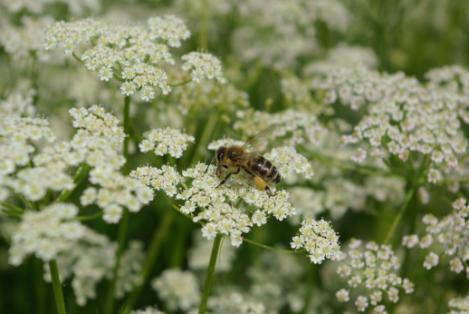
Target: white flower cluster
290 126
279 34
87 261
15 136
403 117
165 179
290 163
371 270
446 237
45 233
166 141
459 305
210 95
129 276
232 302
90 259
178 289
148 310
203 66
455 79
137 56
18 102
16 148
115 191
346 56
20 42
199 255
76 8
318 239
231 209
99 137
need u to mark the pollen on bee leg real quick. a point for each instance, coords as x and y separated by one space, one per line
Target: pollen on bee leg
260 183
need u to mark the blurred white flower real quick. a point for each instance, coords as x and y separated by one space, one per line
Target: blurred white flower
231 302
177 289
203 66
459 305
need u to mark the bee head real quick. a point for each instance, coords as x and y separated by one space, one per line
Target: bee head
221 153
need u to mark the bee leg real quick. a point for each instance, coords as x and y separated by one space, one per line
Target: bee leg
262 185
228 176
269 191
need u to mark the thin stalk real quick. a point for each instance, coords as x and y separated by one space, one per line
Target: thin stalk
203 30
115 272
155 245
126 115
39 287
392 230
310 276
124 223
264 246
80 174
207 134
343 164
209 276
58 295
411 193
89 217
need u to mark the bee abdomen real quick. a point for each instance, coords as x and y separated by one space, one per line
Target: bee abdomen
264 168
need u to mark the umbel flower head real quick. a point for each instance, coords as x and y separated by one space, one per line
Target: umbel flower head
318 239
230 209
371 274
139 56
403 117
166 141
46 233
447 237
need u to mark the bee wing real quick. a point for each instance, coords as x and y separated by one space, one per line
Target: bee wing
254 140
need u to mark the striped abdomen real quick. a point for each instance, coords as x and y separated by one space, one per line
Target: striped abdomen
263 168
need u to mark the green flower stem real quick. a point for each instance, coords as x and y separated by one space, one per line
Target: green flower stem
203 29
414 182
58 295
115 272
155 245
407 201
343 164
124 223
207 134
39 286
126 126
309 291
209 276
89 217
79 176
264 246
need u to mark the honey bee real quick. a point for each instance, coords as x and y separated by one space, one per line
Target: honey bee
236 158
